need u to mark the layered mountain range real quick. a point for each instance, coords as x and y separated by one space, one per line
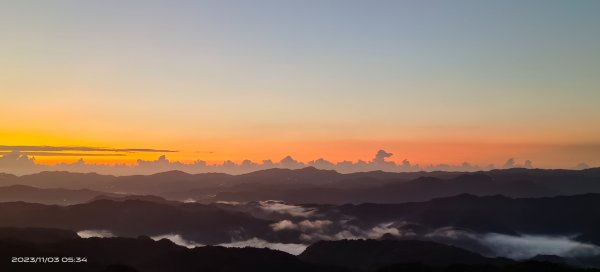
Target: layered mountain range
304 220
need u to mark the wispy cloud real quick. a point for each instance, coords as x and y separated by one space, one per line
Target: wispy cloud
64 154
95 233
523 246
177 239
294 249
274 206
527 246
48 148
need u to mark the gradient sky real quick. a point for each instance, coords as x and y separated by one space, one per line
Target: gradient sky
431 81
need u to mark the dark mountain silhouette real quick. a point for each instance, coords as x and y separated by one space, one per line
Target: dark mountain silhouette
220 223
550 259
311 185
369 255
554 215
146 198
380 188
36 235
279 176
143 254
61 179
53 196
390 206
525 266
419 189
4 177
130 218
168 182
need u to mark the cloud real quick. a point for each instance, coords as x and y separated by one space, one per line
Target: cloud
274 206
528 246
322 164
381 230
230 203
294 249
63 154
311 230
78 148
514 246
17 163
162 161
451 233
304 226
381 156
95 233
326 230
346 234
21 162
510 163
17 157
289 162
283 225
316 225
177 239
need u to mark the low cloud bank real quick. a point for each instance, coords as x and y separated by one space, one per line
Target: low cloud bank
20 161
528 246
305 225
515 246
314 230
95 233
280 207
294 249
177 239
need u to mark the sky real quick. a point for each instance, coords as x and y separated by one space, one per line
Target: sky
435 82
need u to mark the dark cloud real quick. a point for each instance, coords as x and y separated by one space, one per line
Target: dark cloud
381 156
66 154
510 163
77 148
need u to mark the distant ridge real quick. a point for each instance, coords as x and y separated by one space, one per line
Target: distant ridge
324 186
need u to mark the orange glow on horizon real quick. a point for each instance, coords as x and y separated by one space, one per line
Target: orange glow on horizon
423 153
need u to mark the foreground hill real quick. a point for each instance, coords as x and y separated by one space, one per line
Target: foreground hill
143 254
370 255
